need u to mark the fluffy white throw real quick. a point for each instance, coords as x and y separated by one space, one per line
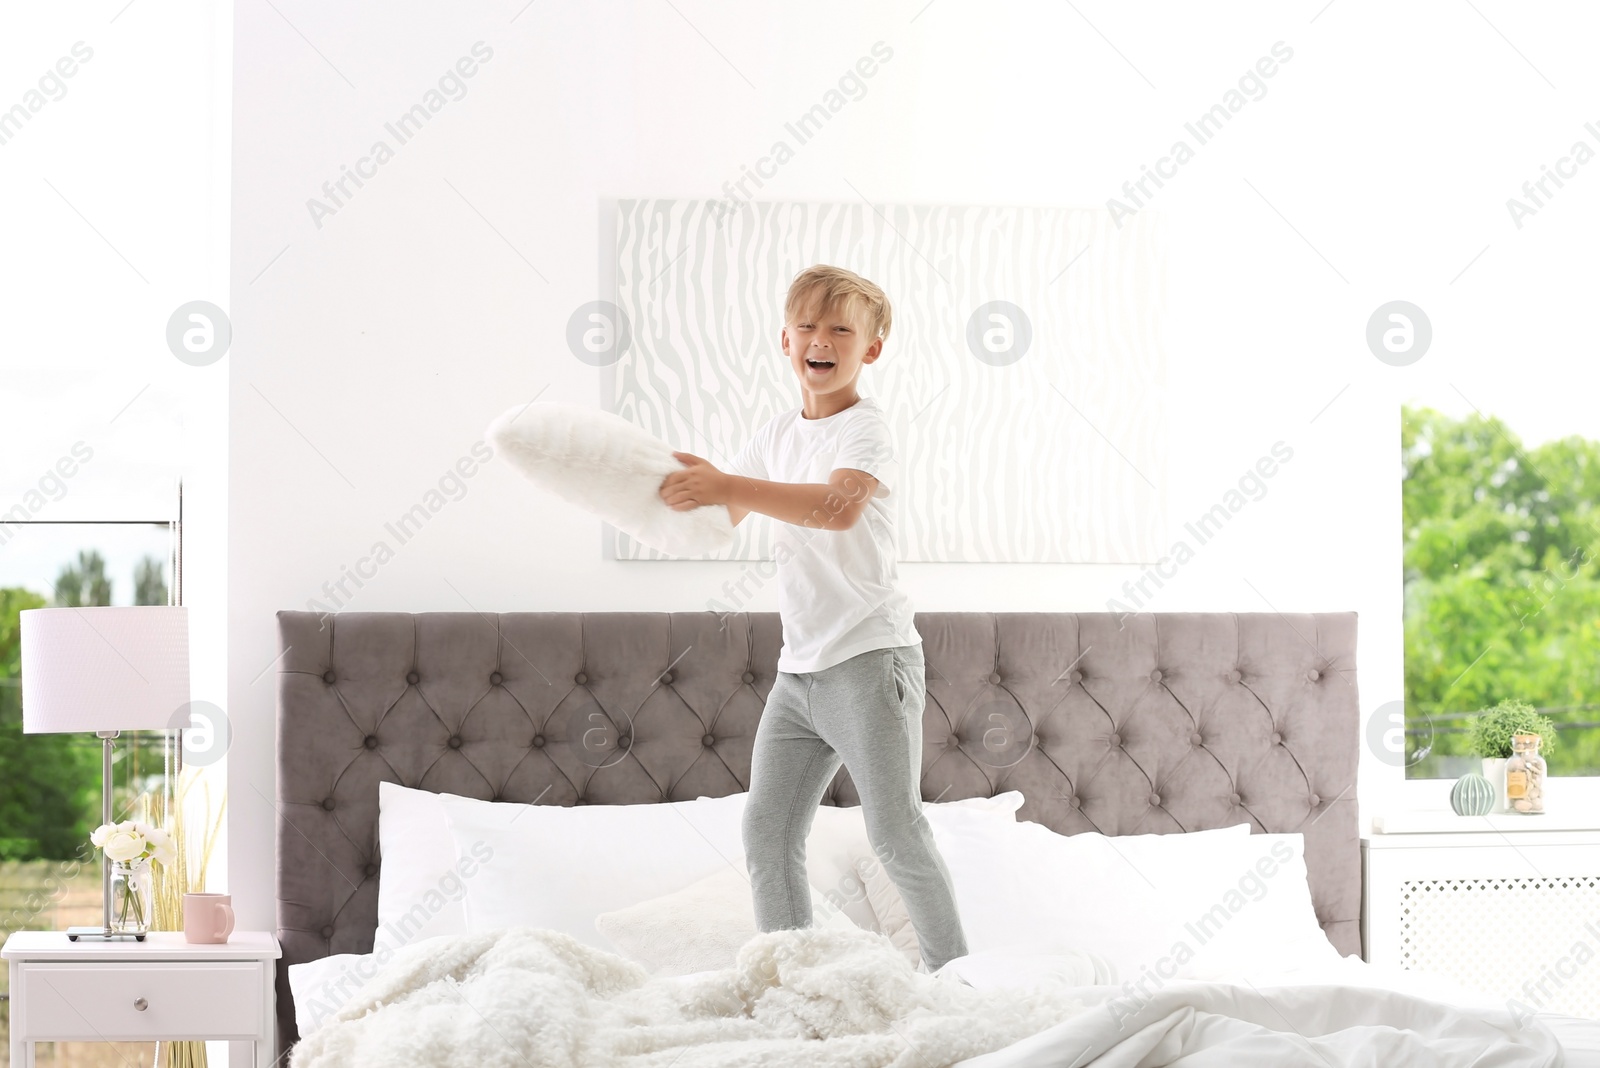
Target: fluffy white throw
535 998
607 465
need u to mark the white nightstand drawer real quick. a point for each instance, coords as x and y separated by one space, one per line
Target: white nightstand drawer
100 1001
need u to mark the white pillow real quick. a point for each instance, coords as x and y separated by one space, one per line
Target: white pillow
321 987
607 465
420 889
836 849
839 857
1023 886
1245 908
559 867
698 928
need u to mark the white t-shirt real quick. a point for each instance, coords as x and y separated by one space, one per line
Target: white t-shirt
838 591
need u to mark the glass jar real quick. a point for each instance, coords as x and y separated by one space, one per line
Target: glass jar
1525 775
132 896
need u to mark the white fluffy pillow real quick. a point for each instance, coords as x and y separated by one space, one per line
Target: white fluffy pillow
698 928
607 465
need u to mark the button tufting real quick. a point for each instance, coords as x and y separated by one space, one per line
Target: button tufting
1116 740
1313 675
1076 676
455 741
1073 801
371 870
412 678
748 677
666 676
327 676
538 741
994 679
1234 676
370 741
623 741
580 678
496 679
327 804
1233 799
327 932
1155 799
1194 739
1155 676
708 741
1315 800
1277 739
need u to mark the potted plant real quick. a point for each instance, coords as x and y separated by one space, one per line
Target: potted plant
1491 739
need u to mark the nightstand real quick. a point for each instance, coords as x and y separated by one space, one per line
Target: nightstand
1506 904
160 989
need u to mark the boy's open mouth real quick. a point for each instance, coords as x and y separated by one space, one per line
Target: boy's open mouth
819 367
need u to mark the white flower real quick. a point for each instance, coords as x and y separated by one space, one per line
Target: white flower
123 845
98 838
143 829
166 855
158 837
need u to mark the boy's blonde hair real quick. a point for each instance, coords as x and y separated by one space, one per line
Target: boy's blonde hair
837 290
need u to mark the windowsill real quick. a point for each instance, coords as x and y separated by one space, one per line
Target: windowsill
1571 803
1445 821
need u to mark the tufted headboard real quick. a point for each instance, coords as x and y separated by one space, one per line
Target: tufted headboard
1144 724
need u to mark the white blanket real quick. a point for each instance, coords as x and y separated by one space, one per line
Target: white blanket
530 997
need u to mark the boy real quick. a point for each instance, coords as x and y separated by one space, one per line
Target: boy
850 682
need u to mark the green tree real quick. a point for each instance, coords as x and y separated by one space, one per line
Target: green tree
84 583
149 582
1502 581
49 783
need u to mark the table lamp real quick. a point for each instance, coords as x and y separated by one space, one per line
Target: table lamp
106 670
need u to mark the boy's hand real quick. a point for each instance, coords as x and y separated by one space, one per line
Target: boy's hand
698 483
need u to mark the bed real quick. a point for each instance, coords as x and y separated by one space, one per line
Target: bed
1105 725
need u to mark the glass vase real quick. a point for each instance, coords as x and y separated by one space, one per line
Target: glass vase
1525 773
132 896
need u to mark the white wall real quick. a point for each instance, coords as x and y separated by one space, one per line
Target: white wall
372 351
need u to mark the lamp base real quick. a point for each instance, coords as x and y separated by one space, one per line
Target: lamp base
100 934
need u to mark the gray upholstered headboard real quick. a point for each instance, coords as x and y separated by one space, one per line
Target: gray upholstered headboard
1167 722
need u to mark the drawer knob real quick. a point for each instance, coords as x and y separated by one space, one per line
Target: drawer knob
141 1004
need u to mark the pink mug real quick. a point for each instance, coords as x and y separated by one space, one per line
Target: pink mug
207 918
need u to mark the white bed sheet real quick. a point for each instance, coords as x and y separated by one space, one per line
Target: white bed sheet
1578 1037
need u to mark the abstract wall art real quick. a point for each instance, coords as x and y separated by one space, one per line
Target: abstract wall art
1023 374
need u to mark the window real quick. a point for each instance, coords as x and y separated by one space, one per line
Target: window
1502 592
50 783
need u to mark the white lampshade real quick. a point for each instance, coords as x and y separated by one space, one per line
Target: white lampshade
119 668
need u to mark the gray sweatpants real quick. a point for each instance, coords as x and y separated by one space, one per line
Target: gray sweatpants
866 711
